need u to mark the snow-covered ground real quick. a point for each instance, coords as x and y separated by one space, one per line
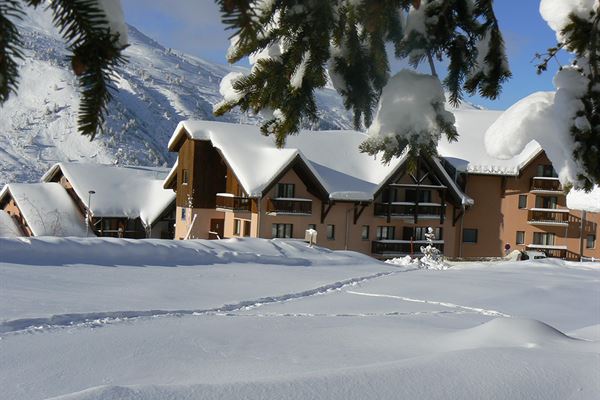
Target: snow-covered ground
256 319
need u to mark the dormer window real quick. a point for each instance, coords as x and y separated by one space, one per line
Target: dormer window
285 190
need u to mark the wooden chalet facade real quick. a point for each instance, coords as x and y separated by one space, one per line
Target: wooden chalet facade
211 202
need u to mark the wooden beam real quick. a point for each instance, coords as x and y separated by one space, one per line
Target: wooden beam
358 210
413 185
455 217
325 210
416 215
443 207
389 206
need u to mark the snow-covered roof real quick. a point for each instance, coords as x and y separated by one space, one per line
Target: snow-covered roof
580 200
123 192
332 156
8 226
172 173
47 209
469 153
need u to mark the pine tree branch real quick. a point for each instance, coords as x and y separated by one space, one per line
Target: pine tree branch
96 54
10 48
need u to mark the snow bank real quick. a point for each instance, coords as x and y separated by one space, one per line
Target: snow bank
505 332
406 260
343 331
135 252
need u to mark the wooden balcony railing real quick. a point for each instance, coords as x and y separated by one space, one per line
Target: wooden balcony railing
401 247
284 205
543 184
408 210
228 201
548 216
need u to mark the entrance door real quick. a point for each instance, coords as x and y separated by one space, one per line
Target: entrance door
217 227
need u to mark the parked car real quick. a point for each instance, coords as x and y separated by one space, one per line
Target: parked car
533 255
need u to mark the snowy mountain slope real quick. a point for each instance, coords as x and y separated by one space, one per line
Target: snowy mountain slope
158 88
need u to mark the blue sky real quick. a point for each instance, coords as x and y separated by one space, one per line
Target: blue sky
194 26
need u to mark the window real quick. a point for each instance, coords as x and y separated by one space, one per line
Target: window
330 232
520 237
590 241
283 231
184 177
389 195
543 238
385 232
237 227
247 228
312 226
285 190
522 201
546 202
469 235
184 214
424 196
546 171
364 235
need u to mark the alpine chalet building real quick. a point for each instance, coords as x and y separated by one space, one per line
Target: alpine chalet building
231 181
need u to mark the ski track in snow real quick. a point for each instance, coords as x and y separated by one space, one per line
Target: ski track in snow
98 319
483 311
309 315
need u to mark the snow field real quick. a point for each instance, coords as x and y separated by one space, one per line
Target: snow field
259 319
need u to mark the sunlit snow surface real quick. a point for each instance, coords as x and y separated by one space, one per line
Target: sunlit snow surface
257 319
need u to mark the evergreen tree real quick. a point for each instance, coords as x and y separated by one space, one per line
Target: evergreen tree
579 34
295 46
96 51
432 256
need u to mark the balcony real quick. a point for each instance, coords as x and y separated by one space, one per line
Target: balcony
289 206
545 185
407 210
389 248
229 202
548 216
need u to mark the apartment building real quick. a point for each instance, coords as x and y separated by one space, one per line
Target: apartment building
231 181
519 202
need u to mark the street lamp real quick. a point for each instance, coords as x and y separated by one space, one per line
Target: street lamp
89 209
